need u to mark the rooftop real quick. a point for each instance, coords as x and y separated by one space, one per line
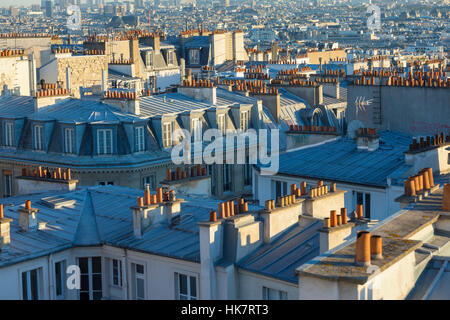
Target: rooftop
96 216
399 234
341 161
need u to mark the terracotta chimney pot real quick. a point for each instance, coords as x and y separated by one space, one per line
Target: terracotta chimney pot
376 247
362 256
213 216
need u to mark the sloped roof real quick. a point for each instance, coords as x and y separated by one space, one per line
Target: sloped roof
282 256
340 160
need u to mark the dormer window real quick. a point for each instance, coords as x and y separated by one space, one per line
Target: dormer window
38 137
170 57
244 120
9 134
139 139
104 141
167 134
194 56
196 129
221 124
69 140
149 58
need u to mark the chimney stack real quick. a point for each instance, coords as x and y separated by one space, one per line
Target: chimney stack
5 233
446 198
28 217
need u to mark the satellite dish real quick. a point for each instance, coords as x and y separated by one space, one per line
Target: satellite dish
353 127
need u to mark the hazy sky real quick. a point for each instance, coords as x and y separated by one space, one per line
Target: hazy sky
6 3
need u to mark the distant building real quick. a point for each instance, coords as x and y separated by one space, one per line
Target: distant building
48 8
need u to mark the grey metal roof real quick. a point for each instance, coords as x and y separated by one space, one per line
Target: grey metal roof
281 257
169 103
341 161
16 106
84 110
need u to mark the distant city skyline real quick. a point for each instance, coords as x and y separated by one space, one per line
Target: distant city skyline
7 3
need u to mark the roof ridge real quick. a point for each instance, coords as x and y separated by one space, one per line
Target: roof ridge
87 230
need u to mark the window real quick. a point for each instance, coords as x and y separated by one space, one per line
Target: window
139 139
196 129
31 284
148 180
139 281
38 137
244 121
167 134
221 124
194 56
272 294
226 177
104 141
60 279
106 183
116 273
186 287
170 57
69 140
280 189
364 199
149 59
7 183
91 278
247 173
211 172
9 134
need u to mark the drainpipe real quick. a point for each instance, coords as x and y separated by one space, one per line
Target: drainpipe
125 274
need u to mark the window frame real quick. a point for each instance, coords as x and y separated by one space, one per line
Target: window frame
139 139
266 293
103 132
167 128
244 120
7 184
196 129
194 56
62 279
38 144
119 273
90 275
139 276
221 123
9 134
72 144
227 183
189 278
26 285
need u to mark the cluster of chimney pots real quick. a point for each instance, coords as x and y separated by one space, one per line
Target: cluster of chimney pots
39 172
198 83
180 174
367 131
229 209
121 95
51 93
294 127
11 53
160 197
429 141
419 183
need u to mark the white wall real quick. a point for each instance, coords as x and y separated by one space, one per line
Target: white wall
251 286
